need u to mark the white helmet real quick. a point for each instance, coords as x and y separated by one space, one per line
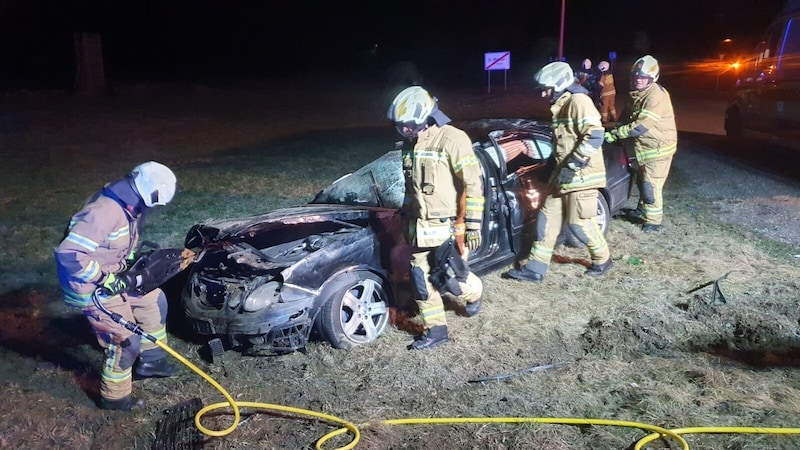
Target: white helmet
587 64
603 66
412 104
155 183
557 75
646 66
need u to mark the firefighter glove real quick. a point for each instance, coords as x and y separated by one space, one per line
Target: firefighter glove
610 136
576 162
113 285
473 239
565 176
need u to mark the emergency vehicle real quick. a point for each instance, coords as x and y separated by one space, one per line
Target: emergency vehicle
767 95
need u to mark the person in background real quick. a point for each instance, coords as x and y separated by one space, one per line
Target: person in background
651 127
443 203
580 171
99 244
608 93
586 77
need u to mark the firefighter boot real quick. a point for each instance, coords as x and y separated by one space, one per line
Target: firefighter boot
599 269
159 368
651 228
524 273
431 338
124 404
473 308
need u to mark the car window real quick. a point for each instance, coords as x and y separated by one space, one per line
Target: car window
379 183
493 153
545 148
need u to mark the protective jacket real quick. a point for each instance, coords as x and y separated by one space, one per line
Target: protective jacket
577 131
607 85
652 123
439 167
99 240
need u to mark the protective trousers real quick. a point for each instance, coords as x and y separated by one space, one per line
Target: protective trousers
428 299
652 176
580 210
121 346
608 108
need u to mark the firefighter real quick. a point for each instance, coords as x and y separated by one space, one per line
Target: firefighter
608 94
651 126
586 77
98 246
579 172
443 204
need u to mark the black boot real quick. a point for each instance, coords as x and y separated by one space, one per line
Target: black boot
124 404
431 338
473 308
525 274
651 228
158 368
599 269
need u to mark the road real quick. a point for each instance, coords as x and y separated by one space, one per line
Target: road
700 118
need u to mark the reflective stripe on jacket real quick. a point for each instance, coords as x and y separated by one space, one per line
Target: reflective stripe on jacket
438 168
99 239
577 129
652 124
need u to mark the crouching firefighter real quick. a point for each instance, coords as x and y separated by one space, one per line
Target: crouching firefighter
98 247
443 184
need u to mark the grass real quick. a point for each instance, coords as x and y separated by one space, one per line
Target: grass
636 345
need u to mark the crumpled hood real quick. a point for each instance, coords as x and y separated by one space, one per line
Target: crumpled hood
294 215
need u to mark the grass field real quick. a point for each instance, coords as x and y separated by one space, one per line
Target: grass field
635 345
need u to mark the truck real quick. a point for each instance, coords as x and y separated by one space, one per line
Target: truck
766 101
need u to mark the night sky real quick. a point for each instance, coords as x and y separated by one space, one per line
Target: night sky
185 40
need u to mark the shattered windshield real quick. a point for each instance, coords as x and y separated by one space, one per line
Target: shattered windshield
379 183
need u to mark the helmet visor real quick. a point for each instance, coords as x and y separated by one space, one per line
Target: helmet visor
409 129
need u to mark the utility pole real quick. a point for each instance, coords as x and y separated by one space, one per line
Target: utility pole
561 37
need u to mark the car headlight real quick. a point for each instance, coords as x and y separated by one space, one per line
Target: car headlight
262 296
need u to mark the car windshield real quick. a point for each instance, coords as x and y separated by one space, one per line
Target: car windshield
379 183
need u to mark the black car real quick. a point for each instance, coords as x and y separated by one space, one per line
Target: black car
339 265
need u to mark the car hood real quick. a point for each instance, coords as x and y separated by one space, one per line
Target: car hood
299 215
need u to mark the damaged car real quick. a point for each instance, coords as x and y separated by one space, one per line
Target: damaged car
337 267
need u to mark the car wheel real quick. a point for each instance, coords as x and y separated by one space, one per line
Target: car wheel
603 219
356 310
733 122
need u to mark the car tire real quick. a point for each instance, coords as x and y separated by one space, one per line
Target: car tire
569 239
355 310
733 122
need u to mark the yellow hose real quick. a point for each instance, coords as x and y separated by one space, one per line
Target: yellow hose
656 432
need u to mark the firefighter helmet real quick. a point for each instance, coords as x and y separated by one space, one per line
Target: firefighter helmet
557 75
587 64
412 104
646 66
154 182
603 66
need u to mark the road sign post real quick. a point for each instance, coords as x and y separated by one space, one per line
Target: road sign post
496 61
